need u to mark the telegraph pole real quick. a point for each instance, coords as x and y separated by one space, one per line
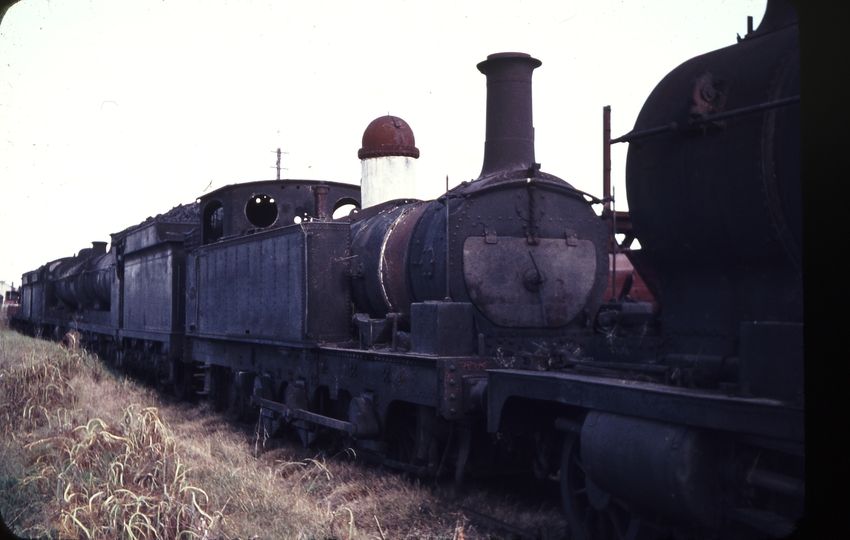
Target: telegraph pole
278 162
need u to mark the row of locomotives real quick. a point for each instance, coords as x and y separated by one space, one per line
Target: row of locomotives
123 303
479 329
689 420
69 291
376 329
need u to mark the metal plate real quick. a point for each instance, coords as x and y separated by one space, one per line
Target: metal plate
499 279
150 290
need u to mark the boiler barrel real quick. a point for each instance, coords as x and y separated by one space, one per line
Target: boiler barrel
729 189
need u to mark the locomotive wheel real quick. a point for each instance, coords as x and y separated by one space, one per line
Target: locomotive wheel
218 396
237 403
403 443
184 389
163 379
413 441
593 514
157 372
149 376
119 362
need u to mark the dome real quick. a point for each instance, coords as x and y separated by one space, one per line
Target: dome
388 136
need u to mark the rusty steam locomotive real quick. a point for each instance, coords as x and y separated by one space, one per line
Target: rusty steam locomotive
449 334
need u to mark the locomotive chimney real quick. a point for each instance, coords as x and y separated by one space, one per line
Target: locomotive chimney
510 133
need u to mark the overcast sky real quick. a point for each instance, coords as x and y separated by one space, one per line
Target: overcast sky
112 111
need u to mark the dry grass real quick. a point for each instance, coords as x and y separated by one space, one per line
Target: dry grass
70 472
88 454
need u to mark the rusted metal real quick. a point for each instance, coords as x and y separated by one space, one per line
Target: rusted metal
495 276
223 211
614 246
388 136
379 247
709 96
301 414
638 289
448 297
633 135
321 193
606 155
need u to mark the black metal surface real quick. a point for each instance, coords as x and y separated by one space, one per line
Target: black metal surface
727 246
510 132
669 469
695 407
86 283
442 328
673 126
772 360
153 282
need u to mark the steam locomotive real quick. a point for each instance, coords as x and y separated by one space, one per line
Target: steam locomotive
471 329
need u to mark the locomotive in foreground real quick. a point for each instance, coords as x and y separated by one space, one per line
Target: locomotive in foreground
693 416
478 328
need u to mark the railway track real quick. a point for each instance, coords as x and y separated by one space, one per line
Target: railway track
504 507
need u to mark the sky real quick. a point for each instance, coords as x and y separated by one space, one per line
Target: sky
112 111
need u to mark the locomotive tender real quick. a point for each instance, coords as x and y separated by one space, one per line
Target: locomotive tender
442 334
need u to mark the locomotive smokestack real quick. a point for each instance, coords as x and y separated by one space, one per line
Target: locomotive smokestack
510 132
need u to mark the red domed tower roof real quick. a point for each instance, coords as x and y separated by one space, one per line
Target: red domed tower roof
388 136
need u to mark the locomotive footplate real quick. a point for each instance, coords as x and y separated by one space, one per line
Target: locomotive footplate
695 407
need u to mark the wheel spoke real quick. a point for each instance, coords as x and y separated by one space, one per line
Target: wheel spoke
613 522
634 528
616 523
580 465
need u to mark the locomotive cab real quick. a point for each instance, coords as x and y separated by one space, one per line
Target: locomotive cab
238 209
